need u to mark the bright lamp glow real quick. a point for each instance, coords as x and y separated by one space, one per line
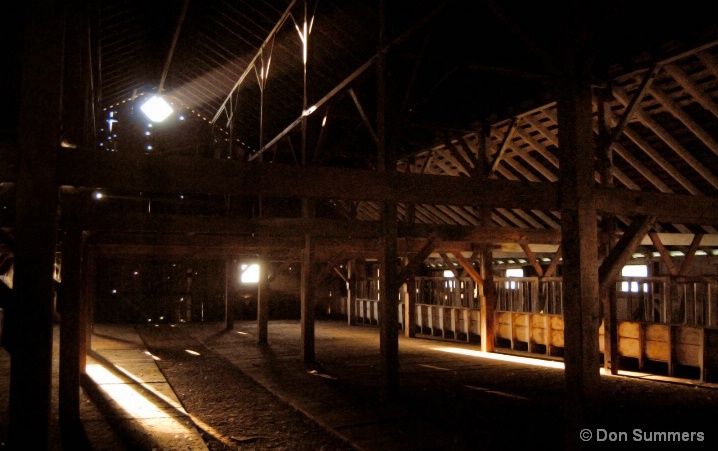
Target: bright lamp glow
156 109
250 273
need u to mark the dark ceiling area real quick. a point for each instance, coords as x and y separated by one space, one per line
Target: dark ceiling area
234 73
452 64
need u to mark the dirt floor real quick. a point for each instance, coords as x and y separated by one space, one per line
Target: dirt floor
245 396
244 415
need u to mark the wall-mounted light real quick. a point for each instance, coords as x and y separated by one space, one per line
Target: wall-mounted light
156 109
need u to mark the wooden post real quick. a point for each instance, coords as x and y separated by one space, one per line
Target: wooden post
229 274
608 297
69 306
410 308
579 228
263 301
87 298
351 291
488 297
29 319
389 280
488 303
388 304
308 291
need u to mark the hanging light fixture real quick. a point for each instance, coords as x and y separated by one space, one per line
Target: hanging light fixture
156 109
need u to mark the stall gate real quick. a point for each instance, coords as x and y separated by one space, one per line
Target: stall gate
448 308
673 320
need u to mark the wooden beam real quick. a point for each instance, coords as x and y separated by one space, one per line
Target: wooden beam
621 252
504 145
409 270
532 259
688 261
677 208
554 263
647 120
343 276
450 265
648 79
363 115
469 268
210 176
663 252
328 268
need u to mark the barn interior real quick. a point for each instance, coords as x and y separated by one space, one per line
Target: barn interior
386 164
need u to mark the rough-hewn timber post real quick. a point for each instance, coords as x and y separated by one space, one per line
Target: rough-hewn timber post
308 291
488 301
389 284
578 224
488 291
263 301
29 319
70 308
351 291
410 307
229 273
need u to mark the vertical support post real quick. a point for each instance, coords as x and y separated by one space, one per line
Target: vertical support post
488 302
263 301
229 273
188 295
389 284
578 224
351 291
608 298
410 307
69 306
388 303
308 291
29 319
488 296
87 302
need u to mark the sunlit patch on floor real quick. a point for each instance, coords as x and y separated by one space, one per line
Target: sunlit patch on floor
324 375
501 357
496 392
434 367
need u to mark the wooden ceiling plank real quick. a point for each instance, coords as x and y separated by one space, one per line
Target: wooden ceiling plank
537 146
685 118
671 141
527 217
510 216
632 160
542 129
457 151
692 88
654 154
